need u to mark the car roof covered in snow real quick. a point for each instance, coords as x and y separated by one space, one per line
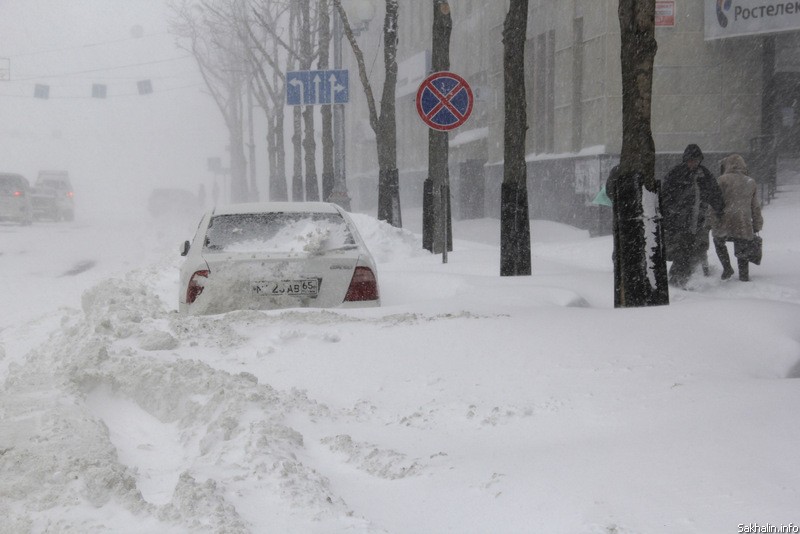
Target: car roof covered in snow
267 207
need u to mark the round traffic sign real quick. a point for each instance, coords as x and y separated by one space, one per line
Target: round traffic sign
444 101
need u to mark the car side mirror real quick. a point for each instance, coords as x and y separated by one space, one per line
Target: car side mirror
185 248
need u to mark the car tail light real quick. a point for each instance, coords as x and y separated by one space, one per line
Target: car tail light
195 287
70 194
363 286
19 193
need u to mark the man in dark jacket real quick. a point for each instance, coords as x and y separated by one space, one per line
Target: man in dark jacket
688 191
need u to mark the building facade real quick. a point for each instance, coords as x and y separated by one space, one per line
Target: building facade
727 77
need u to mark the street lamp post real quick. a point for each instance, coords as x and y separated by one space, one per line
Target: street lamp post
364 12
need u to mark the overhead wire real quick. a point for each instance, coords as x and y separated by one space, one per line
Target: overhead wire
108 96
89 71
73 75
89 45
63 76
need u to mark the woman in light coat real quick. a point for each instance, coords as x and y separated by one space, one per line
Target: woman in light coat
741 217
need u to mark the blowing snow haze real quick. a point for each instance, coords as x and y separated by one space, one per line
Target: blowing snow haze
116 148
467 402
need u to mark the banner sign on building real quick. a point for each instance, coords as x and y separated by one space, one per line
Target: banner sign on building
665 14
735 18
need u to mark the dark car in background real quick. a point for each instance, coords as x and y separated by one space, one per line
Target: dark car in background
53 196
15 199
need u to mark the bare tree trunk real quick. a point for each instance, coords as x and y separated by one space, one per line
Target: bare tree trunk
251 146
515 232
272 154
238 191
386 136
384 125
270 94
310 152
252 194
278 183
238 160
640 273
436 226
298 191
309 143
276 154
327 111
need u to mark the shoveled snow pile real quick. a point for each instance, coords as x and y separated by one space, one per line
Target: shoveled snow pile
85 403
385 242
84 417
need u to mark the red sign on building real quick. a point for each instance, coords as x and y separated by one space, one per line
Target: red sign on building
665 14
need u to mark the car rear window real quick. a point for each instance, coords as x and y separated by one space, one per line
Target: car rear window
311 233
10 183
55 184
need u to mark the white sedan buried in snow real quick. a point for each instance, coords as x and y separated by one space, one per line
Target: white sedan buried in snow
276 255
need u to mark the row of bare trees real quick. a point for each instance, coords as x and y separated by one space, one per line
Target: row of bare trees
245 47
242 48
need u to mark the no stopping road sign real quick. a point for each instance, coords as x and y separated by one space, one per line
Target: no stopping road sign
444 101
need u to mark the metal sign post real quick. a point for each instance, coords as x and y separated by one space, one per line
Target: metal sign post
444 102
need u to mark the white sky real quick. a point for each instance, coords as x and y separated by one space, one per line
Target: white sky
119 148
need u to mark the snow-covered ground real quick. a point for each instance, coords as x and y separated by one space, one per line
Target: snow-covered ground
467 403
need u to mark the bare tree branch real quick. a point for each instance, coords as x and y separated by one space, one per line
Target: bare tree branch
362 69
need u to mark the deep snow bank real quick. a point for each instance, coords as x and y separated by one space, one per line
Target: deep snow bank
109 413
57 452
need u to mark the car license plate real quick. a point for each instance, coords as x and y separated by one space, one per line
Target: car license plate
305 288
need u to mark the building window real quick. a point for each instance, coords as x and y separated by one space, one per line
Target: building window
577 83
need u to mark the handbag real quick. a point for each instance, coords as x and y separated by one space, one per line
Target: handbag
601 199
754 250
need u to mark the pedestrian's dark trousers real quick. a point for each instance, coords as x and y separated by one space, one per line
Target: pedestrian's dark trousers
739 247
685 257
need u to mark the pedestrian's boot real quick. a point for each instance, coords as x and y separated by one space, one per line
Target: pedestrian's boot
727 272
744 270
724 258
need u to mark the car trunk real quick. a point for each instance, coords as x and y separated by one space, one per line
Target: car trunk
272 281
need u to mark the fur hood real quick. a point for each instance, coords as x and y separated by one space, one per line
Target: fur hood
734 164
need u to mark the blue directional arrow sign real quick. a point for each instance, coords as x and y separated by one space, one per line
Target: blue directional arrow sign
297 88
317 87
335 87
